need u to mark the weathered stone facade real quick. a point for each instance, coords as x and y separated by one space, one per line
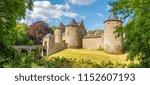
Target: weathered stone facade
50 47
74 35
58 33
112 44
93 40
92 43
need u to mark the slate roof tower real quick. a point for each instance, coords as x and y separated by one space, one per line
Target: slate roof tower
58 32
112 44
73 35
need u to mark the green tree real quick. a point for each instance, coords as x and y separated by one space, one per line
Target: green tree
137 30
52 28
10 11
20 35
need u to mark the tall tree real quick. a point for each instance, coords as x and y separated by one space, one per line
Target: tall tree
10 11
137 31
20 35
37 31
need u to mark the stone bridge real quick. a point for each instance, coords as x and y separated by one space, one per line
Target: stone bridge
48 47
26 48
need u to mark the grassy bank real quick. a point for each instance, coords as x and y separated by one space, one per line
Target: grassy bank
95 56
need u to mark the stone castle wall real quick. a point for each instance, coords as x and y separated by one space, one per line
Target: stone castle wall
56 48
50 47
48 43
92 43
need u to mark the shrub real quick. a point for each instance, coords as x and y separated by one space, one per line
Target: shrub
107 64
57 62
26 60
133 65
62 62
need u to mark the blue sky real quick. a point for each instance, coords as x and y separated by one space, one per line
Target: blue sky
92 12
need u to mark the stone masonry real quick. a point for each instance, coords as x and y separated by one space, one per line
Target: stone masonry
74 35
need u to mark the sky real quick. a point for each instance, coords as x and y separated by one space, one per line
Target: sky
53 12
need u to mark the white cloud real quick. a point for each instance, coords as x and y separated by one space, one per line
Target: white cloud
82 17
69 14
81 2
108 7
45 11
99 14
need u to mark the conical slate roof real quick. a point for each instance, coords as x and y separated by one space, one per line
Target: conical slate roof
73 22
61 25
113 16
81 23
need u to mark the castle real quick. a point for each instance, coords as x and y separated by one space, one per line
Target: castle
74 35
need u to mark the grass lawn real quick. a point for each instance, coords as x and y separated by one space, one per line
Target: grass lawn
93 55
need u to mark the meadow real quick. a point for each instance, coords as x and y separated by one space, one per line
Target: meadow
99 57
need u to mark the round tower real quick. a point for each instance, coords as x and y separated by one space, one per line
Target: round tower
112 43
73 35
58 33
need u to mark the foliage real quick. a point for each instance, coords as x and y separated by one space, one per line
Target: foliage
10 11
37 31
15 59
38 52
20 35
62 62
26 60
136 41
110 64
52 28
8 56
133 65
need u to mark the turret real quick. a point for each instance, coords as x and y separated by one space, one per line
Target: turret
58 32
73 35
112 43
83 30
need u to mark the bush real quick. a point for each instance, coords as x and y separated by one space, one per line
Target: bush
62 62
133 65
109 64
26 60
